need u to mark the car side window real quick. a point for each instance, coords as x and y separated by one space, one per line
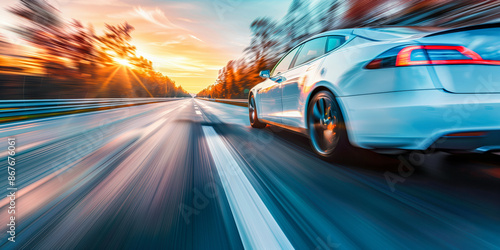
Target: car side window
334 42
284 64
311 50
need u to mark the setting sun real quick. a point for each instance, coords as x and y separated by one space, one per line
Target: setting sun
123 62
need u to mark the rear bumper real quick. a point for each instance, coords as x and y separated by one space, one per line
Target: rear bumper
490 141
417 120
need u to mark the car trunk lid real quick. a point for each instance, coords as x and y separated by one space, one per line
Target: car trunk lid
482 44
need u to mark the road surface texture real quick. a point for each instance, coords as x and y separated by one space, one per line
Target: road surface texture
192 174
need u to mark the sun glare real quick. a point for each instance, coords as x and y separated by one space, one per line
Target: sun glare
123 62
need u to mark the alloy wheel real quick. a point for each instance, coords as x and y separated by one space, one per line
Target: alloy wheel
324 122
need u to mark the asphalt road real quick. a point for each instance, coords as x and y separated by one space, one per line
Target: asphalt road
193 174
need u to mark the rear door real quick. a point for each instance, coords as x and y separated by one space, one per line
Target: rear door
481 74
294 80
270 95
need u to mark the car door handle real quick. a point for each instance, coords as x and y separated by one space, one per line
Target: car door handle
279 79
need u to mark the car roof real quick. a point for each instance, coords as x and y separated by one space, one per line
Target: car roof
343 32
384 32
394 32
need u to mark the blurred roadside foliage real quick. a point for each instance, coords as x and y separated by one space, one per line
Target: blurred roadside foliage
271 38
62 59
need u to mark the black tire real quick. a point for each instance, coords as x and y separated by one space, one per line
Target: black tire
252 114
326 127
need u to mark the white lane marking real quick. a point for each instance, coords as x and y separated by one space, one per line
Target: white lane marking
256 226
198 112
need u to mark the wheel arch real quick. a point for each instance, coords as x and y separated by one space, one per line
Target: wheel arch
345 116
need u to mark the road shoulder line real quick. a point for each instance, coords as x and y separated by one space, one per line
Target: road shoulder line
257 227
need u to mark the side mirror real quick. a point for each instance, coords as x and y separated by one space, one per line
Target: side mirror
265 74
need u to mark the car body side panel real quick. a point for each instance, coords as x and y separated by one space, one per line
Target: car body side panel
269 105
294 91
290 97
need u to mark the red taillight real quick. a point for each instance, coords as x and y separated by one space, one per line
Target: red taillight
375 64
428 55
404 56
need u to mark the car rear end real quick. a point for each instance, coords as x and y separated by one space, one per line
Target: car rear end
468 65
461 113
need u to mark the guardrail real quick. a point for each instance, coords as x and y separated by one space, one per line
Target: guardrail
238 102
15 110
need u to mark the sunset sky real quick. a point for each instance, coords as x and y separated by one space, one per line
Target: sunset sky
188 40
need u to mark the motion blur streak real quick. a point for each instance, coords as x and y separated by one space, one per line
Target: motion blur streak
256 225
145 177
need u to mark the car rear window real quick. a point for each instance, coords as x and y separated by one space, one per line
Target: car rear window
311 50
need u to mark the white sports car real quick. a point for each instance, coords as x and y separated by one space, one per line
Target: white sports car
403 88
